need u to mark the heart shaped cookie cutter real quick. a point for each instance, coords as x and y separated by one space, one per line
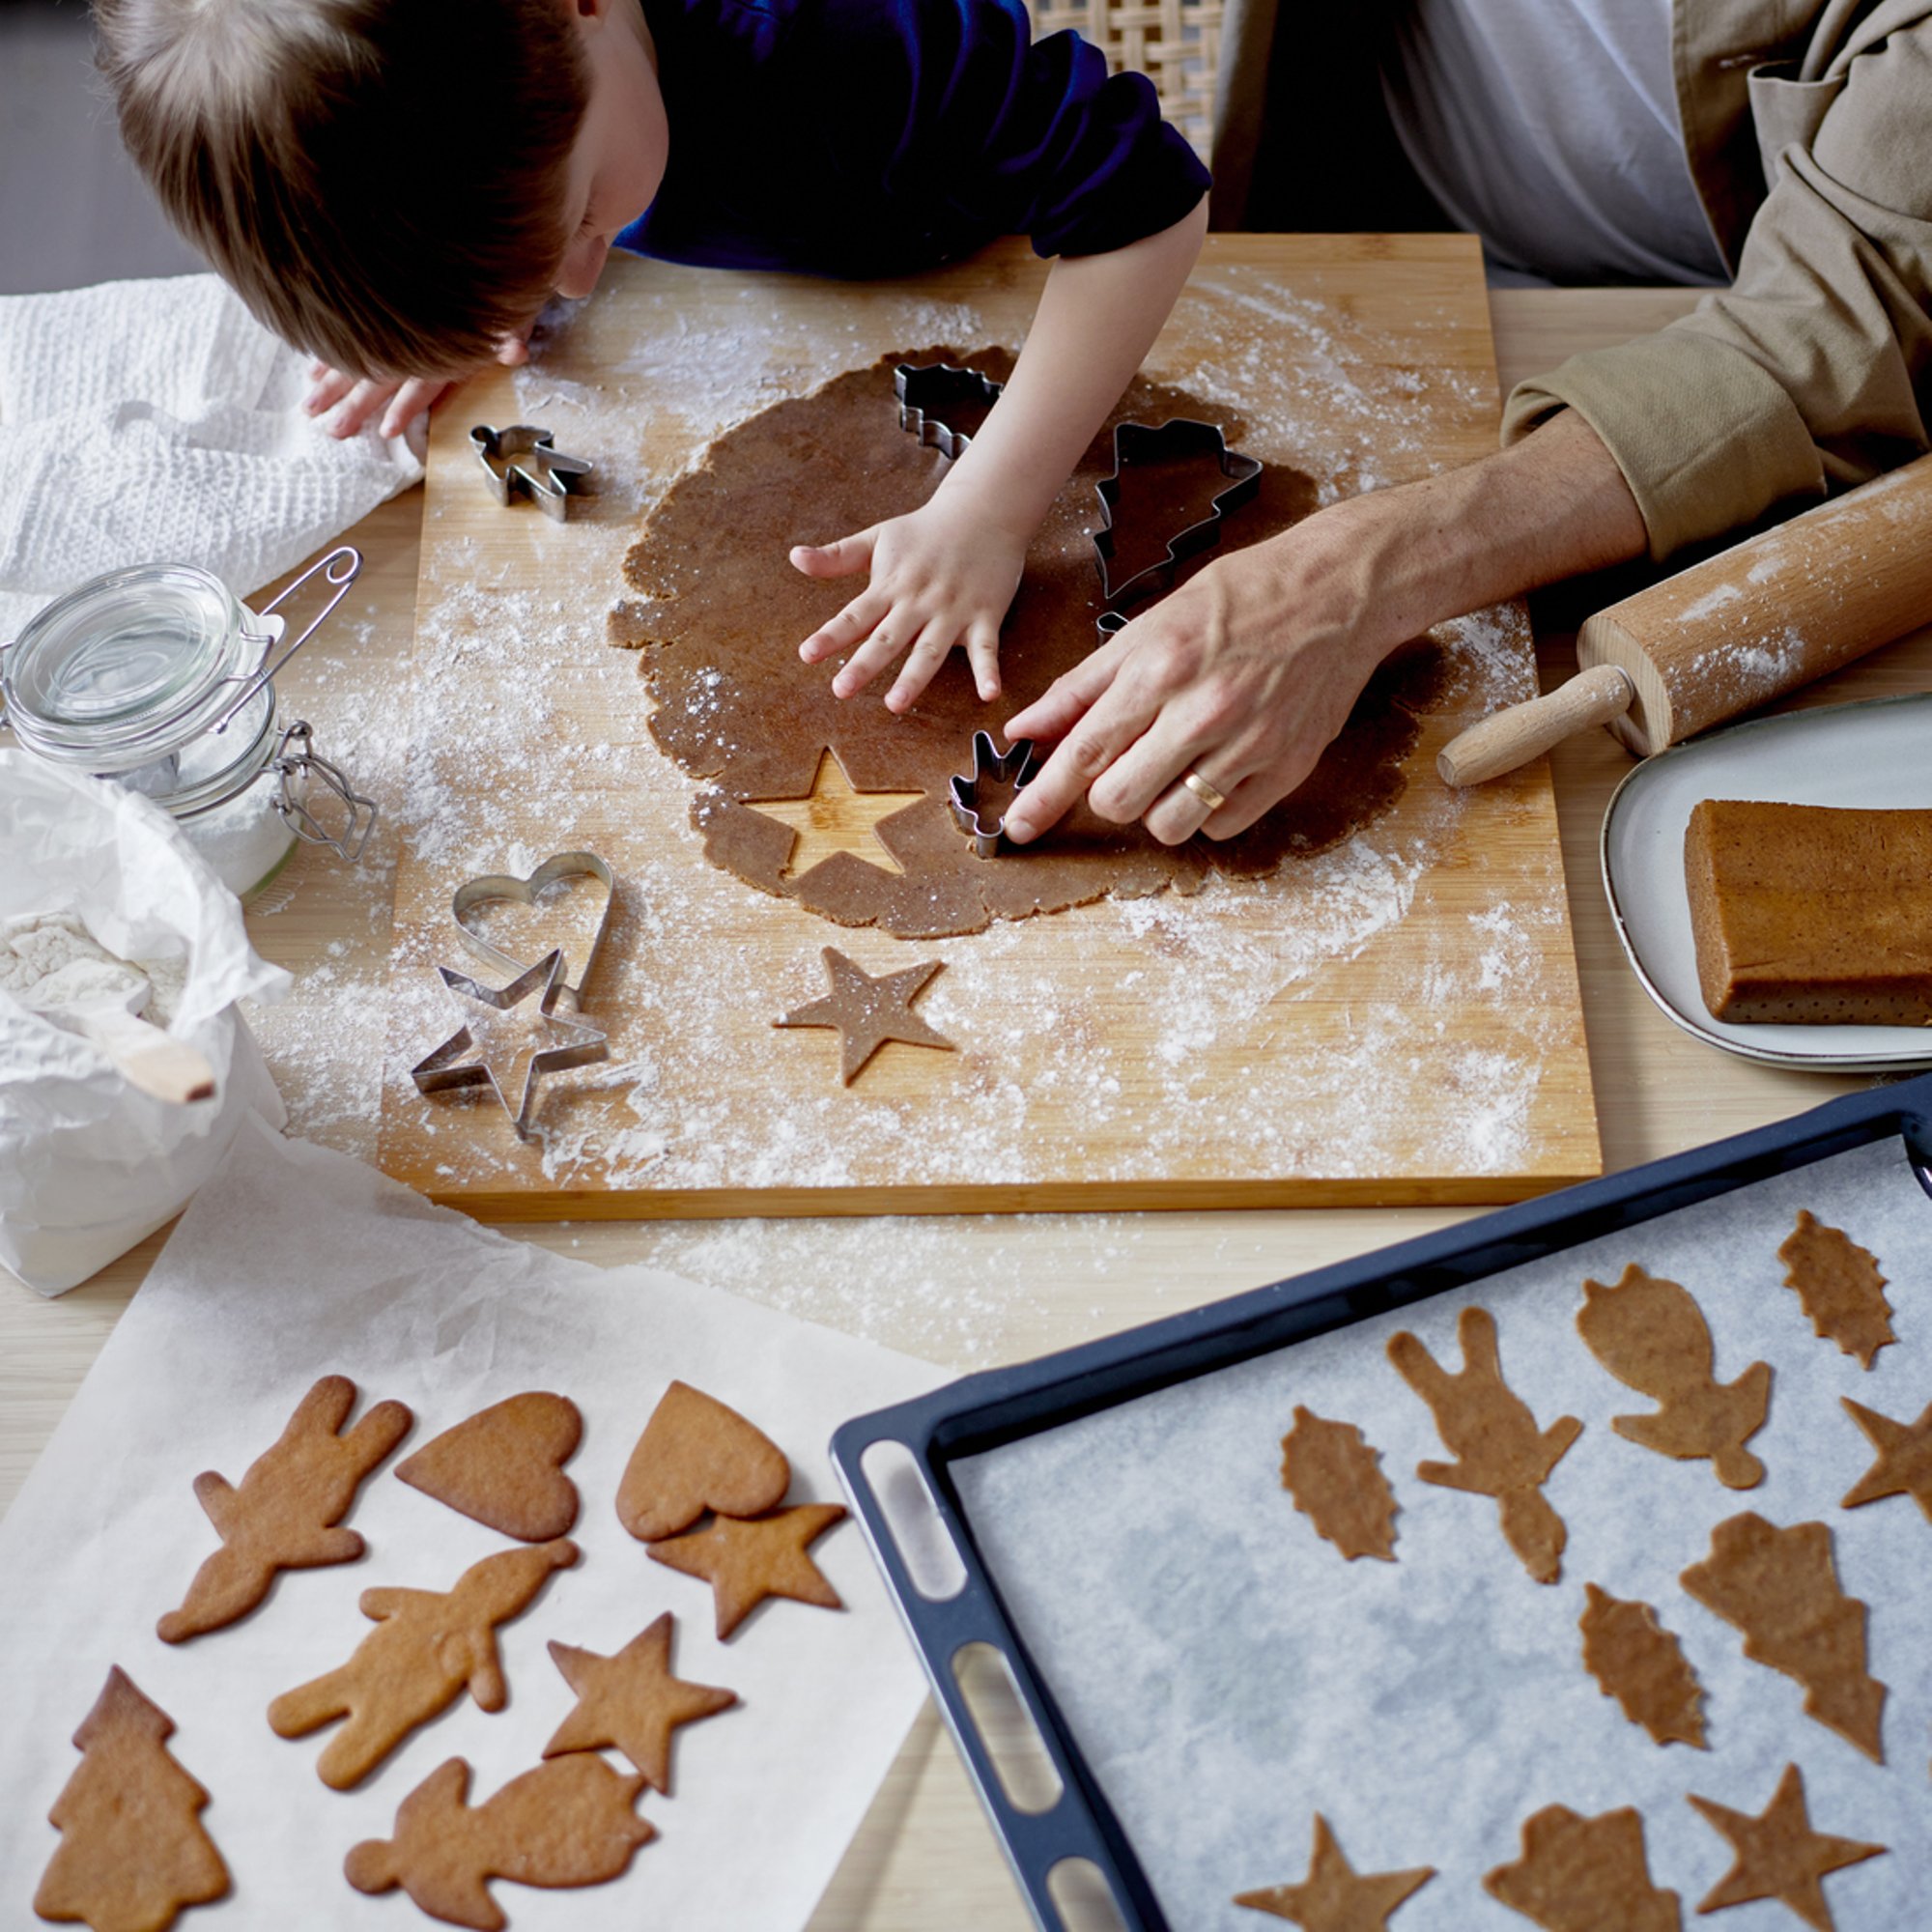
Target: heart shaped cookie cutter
497 887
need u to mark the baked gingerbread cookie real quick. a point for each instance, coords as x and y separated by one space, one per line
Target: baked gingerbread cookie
1500 1450
426 1649
1580 1874
1778 1855
503 1467
745 1562
1334 1896
1337 1481
696 1454
632 1701
284 1513
570 1822
133 1853
1641 1665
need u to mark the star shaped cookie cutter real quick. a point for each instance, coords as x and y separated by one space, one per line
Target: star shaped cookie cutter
925 389
497 887
1016 766
1177 438
464 1060
522 457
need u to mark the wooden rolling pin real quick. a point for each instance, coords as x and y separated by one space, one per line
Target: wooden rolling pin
1732 632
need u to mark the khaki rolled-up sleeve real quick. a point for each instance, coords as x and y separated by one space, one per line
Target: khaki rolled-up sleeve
1814 370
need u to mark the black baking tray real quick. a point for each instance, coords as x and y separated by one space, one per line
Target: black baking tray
987 1410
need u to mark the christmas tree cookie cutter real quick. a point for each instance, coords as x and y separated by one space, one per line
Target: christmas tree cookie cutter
523 457
1016 766
926 389
1178 440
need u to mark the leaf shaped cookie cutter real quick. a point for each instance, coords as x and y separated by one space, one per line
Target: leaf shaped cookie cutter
1016 766
923 389
1181 437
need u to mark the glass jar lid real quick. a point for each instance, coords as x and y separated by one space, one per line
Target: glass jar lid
131 666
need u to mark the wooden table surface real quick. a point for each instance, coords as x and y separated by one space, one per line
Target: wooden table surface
924 1858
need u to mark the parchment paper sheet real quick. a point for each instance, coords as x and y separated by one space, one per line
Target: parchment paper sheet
294 1263
1229 1674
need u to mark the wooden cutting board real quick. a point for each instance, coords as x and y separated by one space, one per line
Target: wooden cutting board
1394 1022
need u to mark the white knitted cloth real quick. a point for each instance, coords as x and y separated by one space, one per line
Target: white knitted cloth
159 422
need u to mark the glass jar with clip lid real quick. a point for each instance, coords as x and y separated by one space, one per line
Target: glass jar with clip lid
161 679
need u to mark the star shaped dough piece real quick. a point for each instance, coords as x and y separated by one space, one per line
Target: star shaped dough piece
510 1037
832 817
632 1701
1335 1897
1904 1465
745 1559
867 1011
1778 1855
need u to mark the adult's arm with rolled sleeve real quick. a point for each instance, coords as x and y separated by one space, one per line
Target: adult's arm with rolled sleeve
1814 370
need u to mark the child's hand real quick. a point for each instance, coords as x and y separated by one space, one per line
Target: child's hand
400 401
942 574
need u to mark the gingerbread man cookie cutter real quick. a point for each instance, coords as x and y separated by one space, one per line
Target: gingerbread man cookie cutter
1178 440
1017 765
923 389
523 457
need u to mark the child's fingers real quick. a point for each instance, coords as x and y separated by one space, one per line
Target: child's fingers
834 560
851 626
362 403
415 398
331 386
927 654
982 653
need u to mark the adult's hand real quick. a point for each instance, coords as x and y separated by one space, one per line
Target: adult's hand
1245 673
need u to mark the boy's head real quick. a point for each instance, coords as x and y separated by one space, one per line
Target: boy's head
394 186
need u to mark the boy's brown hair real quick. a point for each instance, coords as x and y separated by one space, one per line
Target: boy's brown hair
381 181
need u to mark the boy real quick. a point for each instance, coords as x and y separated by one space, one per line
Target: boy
398 186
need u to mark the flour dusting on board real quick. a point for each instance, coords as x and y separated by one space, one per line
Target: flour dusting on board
499 770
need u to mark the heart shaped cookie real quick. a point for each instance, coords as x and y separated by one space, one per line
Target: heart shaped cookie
564 905
504 1466
697 1455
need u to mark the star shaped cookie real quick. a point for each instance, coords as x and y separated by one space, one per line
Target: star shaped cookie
867 1011
1904 1465
632 1701
1778 1855
747 1559
1335 1897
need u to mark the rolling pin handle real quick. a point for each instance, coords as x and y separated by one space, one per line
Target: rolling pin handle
1512 738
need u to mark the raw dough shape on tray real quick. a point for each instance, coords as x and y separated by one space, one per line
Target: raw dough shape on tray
632 1701
1580 1874
134 1852
1904 1464
1840 1287
1781 1589
1777 1855
1652 1336
1337 1481
503 1467
1334 1896
284 1513
697 1454
747 1561
718 612
1642 1665
867 1011
1500 1450
426 1648
567 1823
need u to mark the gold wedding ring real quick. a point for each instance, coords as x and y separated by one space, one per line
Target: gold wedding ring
1203 790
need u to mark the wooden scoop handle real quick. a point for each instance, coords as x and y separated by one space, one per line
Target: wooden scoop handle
1511 738
154 1062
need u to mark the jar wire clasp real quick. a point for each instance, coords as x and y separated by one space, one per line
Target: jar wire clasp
299 767
339 568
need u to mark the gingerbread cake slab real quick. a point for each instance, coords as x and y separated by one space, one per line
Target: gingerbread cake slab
1254 1042
1226 1673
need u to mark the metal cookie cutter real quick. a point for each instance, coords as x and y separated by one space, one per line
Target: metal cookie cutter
924 390
497 886
1016 766
521 457
1181 438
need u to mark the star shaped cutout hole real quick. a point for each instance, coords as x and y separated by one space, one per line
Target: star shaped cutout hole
834 817
632 1701
1334 1896
867 1011
747 1559
510 1038
1778 1855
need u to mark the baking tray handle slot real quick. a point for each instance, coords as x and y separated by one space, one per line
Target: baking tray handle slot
1083 1898
1007 1733
924 1544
